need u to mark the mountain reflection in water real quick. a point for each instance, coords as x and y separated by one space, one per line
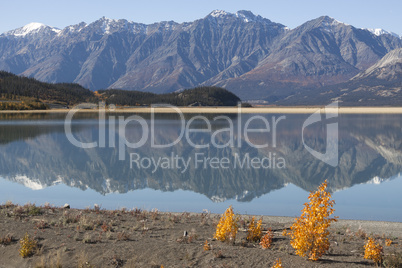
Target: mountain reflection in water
36 153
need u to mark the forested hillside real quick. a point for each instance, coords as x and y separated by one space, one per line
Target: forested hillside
22 93
200 96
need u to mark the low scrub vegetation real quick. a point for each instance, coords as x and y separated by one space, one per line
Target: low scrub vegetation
28 246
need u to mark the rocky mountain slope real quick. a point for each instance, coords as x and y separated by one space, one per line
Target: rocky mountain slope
380 84
389 68
249 55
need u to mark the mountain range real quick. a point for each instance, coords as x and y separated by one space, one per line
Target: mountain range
253 57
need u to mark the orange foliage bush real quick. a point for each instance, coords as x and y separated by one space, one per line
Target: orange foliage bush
388 242
373 251
266 240
206 246
309 233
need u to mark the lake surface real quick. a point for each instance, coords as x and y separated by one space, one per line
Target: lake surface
268 171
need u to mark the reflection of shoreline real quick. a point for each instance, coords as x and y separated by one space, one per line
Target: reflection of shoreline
369 147
228 110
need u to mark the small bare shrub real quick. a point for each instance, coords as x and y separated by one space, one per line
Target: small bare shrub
123 236
393 260
6 240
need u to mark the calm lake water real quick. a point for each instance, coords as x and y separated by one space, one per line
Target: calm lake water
38 163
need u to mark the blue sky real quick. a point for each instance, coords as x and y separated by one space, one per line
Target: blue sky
384 14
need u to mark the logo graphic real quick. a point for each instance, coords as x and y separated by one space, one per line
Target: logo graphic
331 154
234 134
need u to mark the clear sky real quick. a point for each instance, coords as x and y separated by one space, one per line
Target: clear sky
386 14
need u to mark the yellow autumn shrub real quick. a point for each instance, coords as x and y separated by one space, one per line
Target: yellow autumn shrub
254 230
309 233
28 246
226 229
373 251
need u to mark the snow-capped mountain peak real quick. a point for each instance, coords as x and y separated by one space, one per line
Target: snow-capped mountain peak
31 28
379 31
243 15
106 26
219 13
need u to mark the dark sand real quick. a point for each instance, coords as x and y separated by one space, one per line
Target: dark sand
135 238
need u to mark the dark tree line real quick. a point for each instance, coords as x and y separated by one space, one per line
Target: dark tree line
13 86
200 96
13 90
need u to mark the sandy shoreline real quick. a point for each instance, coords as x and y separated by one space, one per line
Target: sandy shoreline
231 110
138 238
375 227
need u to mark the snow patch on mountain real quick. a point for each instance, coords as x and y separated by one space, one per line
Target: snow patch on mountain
34 26
31 28
27 182
73 28
244 15
247 16
107 24
219 13
108 187
218 199
376 180
379 31
329 23
34 184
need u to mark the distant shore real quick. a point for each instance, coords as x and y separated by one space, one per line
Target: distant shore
233 110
